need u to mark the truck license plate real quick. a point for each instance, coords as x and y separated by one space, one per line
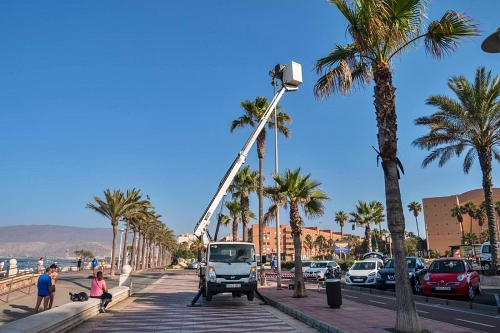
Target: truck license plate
442 288
233 285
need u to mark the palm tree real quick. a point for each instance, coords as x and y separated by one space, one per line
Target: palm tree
382 30
480 215
365 215
341 218
469 239
416 208
244 183
320 243
234 208
471 122
113 207
484 236
254 111
353 241
470 209
457 211
300 192
308 241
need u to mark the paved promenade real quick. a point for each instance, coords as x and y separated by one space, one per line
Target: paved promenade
162 308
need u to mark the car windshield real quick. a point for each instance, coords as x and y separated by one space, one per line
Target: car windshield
232 253
306 264
447 266
389 264
410 263
363 266
319 265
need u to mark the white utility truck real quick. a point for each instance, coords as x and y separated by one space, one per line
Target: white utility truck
486 255
232 266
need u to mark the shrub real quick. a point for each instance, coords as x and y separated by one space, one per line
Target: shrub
345 264
287 264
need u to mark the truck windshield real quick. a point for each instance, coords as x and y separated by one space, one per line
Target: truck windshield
232 253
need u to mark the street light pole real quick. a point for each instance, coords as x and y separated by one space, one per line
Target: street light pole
278 236
121 239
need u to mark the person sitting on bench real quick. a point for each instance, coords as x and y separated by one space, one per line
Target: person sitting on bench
98 289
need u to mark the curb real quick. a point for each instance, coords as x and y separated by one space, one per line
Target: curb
305 318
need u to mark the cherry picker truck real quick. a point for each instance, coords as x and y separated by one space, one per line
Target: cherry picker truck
232 266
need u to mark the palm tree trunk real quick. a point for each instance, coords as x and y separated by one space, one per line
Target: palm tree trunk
299 288
485 161
139 250
407 319
143 252
134 248
341 233
245 214
125 242
368 237
235 228
113 249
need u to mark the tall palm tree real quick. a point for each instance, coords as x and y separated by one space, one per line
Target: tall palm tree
113 206
253 113
416 208
309 242
365 215
472 122
244 183
458 211
320 243
469 238
300 192
382 30
341 218
470 209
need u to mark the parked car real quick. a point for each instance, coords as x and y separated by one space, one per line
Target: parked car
386 278
363 272
319 268
193 265
305 266
378 255
451 276
486 255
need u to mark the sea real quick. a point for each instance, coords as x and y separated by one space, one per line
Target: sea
27 263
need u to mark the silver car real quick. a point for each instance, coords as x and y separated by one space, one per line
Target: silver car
305 265
193 265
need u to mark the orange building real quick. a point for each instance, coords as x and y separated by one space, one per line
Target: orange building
286 240
442 229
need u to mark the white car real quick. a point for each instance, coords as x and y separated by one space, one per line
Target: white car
364 272
319 268
305 265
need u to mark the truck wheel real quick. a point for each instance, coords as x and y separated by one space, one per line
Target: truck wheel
209 296
250 295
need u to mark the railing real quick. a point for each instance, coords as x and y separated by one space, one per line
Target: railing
11 278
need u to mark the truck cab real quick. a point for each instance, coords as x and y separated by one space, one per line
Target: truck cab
486 255
230 267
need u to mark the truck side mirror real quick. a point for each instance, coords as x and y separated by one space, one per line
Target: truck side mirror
263 259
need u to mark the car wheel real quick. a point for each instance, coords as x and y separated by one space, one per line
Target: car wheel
209 296
471 292
250 295
478 288
417 287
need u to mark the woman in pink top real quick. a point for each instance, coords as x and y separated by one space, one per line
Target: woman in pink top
98 289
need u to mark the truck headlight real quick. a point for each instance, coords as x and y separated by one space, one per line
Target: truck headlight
212 277
252 277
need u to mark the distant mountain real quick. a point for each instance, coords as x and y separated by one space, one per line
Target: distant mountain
54 240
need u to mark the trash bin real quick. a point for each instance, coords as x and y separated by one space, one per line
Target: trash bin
333 293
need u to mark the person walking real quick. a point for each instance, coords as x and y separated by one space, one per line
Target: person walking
274 265
53 276
99 289
94 266
44 289
39 265
79 264
103 265
2 264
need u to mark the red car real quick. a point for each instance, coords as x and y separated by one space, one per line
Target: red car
451 276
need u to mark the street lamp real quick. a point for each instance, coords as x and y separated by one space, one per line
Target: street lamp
119 256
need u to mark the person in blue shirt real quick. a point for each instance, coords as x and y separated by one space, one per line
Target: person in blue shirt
94 266
44 288
274 264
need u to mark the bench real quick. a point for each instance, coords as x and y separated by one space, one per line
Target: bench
64 317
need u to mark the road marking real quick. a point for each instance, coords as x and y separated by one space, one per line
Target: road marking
350 296
474 322
422 311
376 302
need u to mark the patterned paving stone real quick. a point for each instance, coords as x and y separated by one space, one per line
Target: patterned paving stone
163 308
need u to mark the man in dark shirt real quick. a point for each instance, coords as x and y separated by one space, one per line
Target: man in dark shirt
44 288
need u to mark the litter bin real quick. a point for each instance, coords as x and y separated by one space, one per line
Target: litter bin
333 293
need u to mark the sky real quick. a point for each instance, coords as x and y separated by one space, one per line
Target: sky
98 95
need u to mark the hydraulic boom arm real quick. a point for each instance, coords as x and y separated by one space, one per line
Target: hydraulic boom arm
291 77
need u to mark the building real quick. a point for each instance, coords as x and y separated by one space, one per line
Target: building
443 230
188 238
286 244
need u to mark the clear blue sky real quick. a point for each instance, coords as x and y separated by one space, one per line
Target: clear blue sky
141 94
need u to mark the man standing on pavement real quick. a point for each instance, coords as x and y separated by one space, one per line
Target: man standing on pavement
39 265
94 266
53 276
44 289
79 264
